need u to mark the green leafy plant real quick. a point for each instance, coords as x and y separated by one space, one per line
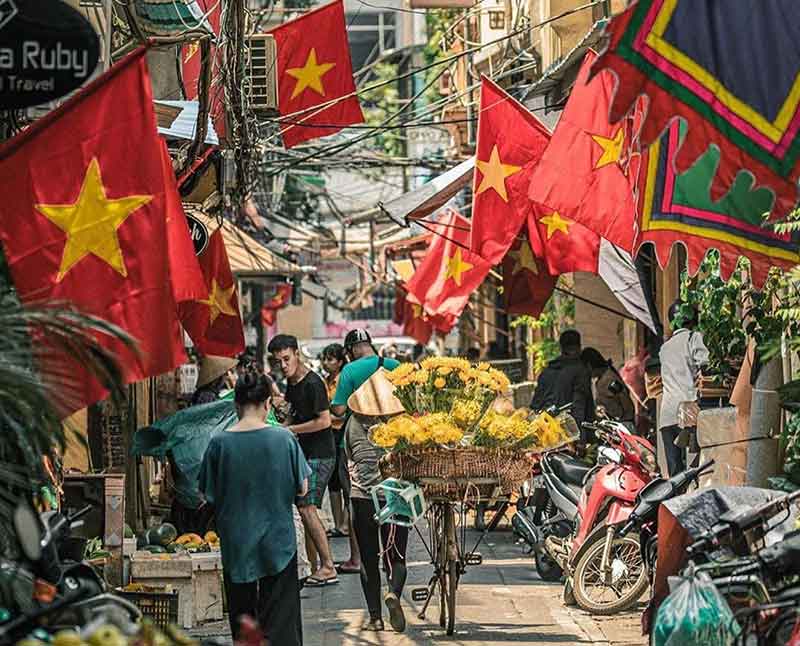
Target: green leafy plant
719 317
558 315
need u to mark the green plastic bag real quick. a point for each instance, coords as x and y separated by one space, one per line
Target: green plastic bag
695 613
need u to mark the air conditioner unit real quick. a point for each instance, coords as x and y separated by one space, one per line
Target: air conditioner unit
262 70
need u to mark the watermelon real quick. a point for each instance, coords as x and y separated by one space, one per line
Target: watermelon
155 549
166 534
141 540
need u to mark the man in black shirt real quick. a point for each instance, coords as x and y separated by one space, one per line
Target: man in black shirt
310 420
566 380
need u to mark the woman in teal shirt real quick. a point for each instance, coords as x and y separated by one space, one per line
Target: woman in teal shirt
257 531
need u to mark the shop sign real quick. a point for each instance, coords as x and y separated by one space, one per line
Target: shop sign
47 50
199 234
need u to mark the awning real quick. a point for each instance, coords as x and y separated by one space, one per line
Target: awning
247 256
170 17
429 197
182 124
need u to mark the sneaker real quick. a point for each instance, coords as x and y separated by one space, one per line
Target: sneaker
373 625
396 617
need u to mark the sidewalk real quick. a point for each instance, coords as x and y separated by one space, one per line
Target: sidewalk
499 602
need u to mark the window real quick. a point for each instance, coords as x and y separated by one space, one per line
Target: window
370 35
382 307
497 19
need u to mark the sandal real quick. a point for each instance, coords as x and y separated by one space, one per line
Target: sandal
373 626
336 533
317 582
345 568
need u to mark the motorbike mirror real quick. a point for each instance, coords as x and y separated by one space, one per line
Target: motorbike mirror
29 532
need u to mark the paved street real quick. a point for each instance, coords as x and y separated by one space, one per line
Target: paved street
499 602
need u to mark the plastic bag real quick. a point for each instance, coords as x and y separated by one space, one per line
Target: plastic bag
695 613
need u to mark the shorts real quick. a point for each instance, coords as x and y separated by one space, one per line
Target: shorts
321 470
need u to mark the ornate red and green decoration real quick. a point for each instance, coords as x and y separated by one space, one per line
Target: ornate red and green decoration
729 72
678 207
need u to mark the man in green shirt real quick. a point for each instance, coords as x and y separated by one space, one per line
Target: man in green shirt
363 364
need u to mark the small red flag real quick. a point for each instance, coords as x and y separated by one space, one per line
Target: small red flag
589 169
510 142
314 68
450 272
269 313
527 283
78 225
214 323
564 245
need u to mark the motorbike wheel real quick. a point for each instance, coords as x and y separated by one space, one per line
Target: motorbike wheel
630 576
547 568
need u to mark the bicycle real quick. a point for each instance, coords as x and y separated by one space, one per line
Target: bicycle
446 546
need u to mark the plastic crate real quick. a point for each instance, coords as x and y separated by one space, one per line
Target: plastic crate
159 607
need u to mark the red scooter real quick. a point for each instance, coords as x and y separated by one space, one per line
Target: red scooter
605 571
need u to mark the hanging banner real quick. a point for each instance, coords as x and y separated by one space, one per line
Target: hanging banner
47 50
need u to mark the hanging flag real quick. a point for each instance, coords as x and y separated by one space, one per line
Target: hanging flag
269 313
588 171
678 207
450 272
77 225
564 245
314 69
214 323
415 323
730 70
527 284
510 142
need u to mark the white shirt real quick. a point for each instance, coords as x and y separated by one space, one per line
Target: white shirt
681 357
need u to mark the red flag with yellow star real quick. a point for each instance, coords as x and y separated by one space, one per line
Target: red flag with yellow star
315 75
87 201
214 323
527 283
450 272
588 172
510 142
562 244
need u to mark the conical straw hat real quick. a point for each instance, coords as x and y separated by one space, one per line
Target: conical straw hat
212 367
375 397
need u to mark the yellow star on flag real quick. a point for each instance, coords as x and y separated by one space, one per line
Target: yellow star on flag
91 222
416 311
494 174
220 301
612 148
554 223
310 75
524 259
456 267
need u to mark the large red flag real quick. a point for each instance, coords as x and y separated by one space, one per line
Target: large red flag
510 141
214 323
84 219
450 272
314 69
589 169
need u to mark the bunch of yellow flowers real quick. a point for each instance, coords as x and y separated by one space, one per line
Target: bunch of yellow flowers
406 431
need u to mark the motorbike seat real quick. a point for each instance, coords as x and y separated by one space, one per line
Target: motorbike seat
568 469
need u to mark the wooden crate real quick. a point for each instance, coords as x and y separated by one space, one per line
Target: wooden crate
197 578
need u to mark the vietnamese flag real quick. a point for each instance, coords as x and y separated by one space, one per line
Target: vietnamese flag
450 272
88 198
588 171
527 283
214 323
510 142
314 69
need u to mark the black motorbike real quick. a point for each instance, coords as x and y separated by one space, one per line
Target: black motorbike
51 589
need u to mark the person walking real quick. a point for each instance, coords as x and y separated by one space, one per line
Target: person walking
309 411
566 380
610 391
681 357
333 360
363 459
257 532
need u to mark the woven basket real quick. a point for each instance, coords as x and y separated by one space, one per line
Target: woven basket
461 473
